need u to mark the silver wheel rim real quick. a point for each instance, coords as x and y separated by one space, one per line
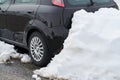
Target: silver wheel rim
36 48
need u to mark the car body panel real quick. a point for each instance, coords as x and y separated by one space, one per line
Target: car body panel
18 17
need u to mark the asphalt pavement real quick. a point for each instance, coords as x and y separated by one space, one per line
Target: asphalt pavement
17 71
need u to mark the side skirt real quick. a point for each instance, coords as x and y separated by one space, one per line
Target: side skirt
14 43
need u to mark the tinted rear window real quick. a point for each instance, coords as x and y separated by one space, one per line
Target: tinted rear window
78 2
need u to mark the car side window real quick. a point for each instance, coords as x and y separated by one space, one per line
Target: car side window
4 2
78 2
101 1
25 1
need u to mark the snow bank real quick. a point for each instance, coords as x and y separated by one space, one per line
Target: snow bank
92 50
118 2
7 52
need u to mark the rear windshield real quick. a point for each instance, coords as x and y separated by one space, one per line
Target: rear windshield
101 1
78 2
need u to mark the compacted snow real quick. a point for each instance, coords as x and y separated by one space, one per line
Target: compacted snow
91 51
7 52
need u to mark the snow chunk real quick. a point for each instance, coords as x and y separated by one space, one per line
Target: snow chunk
15 55
7 52
92 49
25 58
4 57
36 77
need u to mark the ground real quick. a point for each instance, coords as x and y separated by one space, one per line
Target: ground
16 71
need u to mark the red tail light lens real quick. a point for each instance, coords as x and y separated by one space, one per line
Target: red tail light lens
58 3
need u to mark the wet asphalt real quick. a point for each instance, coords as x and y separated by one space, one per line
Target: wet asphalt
17 71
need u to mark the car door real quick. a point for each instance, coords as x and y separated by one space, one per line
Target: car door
4 4
20 14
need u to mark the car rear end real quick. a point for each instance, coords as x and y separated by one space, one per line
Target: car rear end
55 17
52 23
69 7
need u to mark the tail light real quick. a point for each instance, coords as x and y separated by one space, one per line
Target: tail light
58 3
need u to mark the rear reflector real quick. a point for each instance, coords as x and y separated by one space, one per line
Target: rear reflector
58 3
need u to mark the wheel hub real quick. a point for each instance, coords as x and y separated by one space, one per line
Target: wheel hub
36 48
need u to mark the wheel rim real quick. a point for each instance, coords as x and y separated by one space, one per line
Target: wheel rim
36 48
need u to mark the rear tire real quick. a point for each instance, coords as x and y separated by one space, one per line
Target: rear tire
38 50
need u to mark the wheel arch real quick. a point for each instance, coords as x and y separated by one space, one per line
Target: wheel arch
45 31
38 26
32 31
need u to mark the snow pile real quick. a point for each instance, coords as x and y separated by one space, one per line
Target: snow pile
92 50
7 52
118 2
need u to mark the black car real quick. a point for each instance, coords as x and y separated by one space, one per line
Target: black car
41 26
